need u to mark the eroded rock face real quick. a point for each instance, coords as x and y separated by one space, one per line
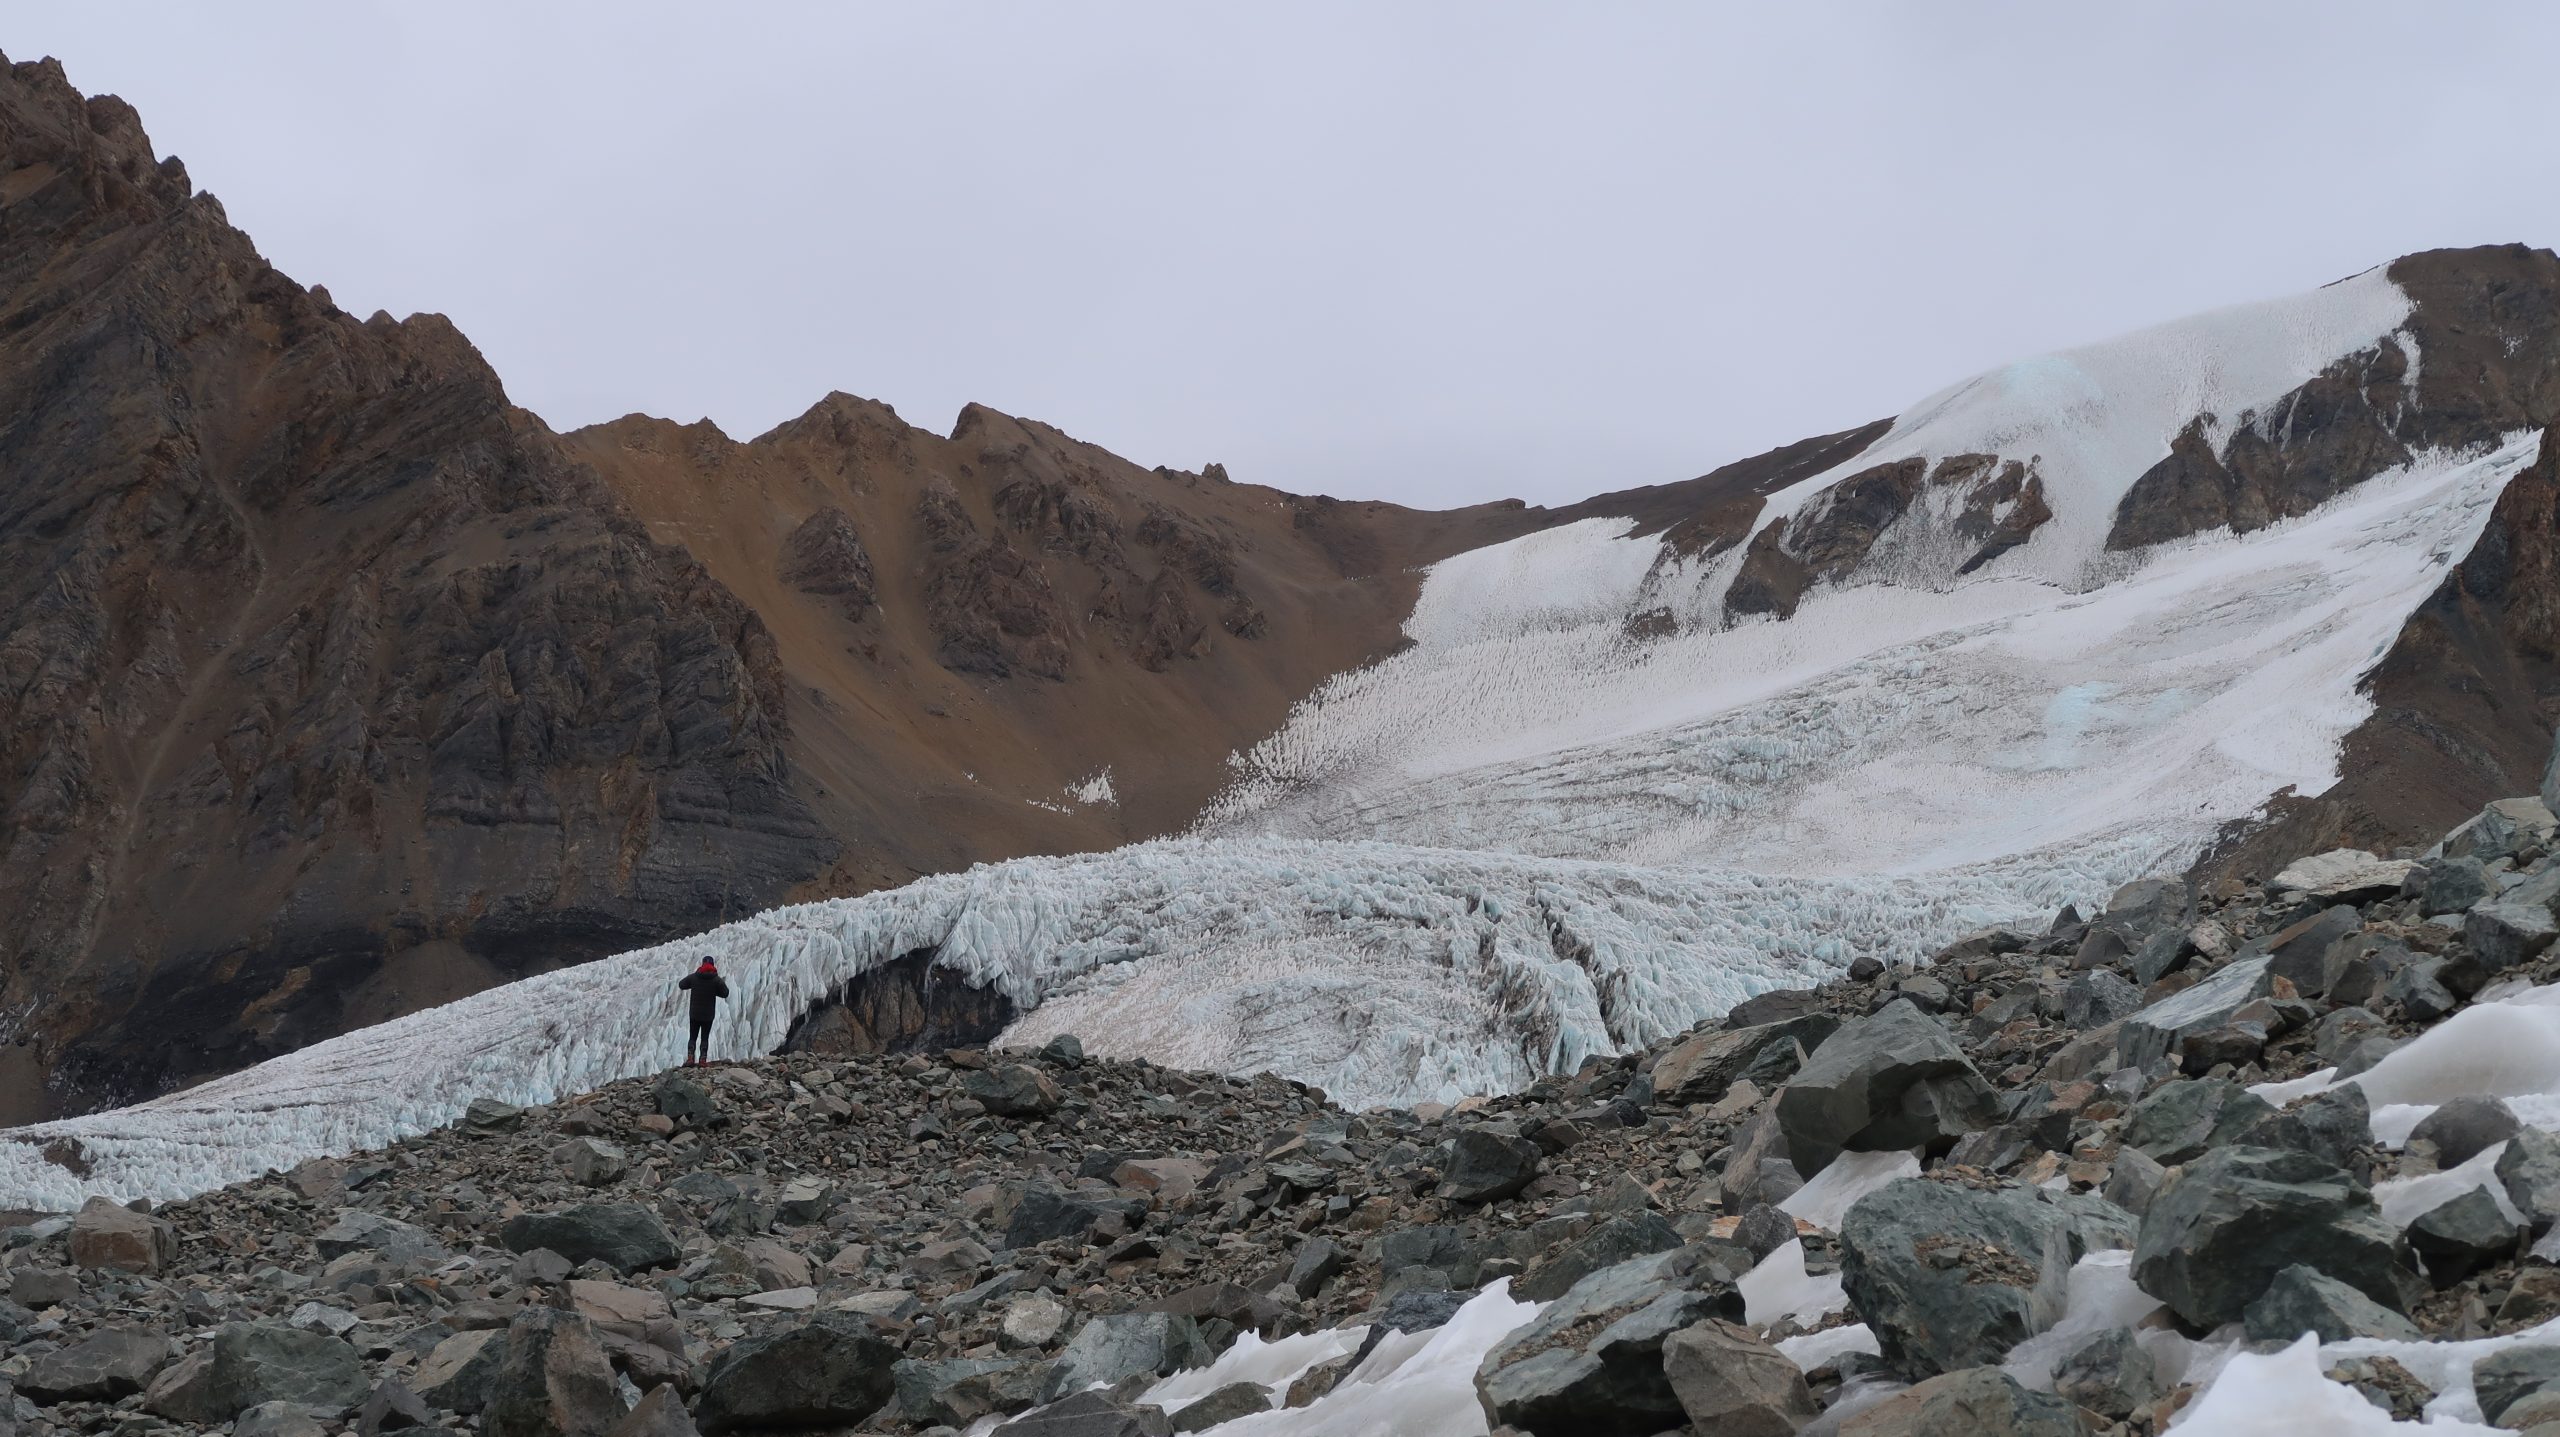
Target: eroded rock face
825 556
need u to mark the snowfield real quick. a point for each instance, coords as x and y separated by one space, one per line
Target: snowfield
1528 837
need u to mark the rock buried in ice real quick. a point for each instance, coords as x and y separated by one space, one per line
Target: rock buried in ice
2222 1227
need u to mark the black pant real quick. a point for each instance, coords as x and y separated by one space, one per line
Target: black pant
700 1037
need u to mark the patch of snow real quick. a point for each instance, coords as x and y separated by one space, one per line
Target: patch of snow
2405 1200
1094 790
1270 1365
1826 1200
1778 1286
2098 1294
1812 1349
1420 1384
2284 1394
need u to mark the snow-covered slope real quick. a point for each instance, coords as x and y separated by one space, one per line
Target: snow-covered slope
1532 836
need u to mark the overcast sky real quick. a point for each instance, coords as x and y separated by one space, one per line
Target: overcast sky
1434 253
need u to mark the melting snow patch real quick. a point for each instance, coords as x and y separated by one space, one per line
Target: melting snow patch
1780 1287
1826 1200
1096 789
1420 1384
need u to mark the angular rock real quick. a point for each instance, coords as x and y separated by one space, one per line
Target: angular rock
1236 1399
595 1162
1977 1402
624 1236
1486 1166
355 1230
2223 1226
2345 875
2464 1128
254 1363
2132 1179
2179 1121
2458 1238
2109 1374
279 1419
2097 998
110 1363
1318 1261
1733 1384
108 1234
1033 1320
391 1407
1893 1079
2503 934
1013 1090
2503 1379
659 1414
958 1391
2453 885
685 1102
2154 1032
1699 1069
1553 1272
488 1116
1089 1414
552 1381
1044 1214
2302 1300
1591 1362
457 1374
1127 1344
830 1371
2299 952
1949 1277
41 1287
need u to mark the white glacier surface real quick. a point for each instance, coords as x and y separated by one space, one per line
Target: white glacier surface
1528 838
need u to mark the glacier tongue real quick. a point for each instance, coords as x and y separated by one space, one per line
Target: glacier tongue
1531 837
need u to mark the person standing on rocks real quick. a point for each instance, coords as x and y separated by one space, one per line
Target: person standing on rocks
708 989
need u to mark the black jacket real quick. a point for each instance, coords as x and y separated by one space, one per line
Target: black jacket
708 990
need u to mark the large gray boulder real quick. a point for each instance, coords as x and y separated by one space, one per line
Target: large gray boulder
1591 1363
828 1372
108 1364
108 1234
1977 1402
355 1230
1127 1344
457 1374
1734 1384
251 1363
2179 1121
2501 1380
2503 933
1949 1277
624 1236
1893 1079
2222 1227
1487 1165
1553 1273
554 1380
1013 1090
2153 1033
2302 1300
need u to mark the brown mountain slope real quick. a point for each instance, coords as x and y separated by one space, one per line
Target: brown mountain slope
1004 614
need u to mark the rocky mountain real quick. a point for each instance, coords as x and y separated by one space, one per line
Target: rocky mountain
2223 1156
338 687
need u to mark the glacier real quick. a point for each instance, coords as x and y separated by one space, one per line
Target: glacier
1529 837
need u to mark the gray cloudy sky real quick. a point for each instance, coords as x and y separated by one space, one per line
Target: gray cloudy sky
1428 252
